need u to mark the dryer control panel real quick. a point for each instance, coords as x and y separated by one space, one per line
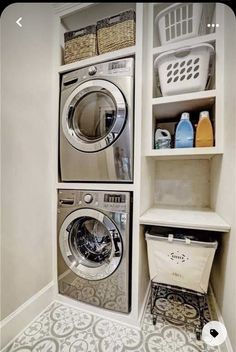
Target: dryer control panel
118 68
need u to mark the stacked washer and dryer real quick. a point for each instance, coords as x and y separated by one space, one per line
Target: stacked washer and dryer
96 145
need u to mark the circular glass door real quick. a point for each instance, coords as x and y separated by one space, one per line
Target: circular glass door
94 115
90 244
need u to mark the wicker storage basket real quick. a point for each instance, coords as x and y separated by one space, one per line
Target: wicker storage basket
80 44
116 32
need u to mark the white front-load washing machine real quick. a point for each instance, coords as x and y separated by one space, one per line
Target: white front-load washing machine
94 247
96 123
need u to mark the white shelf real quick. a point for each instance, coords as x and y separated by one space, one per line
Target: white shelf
192 218
208 38
184 153
205 94
96 186
129 51
173 106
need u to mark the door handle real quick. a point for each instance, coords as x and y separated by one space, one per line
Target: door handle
70 114
116 240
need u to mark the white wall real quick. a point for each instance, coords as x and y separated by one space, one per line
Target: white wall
224 188
26 152
182 183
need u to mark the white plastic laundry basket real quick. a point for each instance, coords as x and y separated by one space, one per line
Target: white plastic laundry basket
184 70
179 21
180 262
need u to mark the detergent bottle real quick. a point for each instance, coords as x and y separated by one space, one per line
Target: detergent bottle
184 132
204 133
162 139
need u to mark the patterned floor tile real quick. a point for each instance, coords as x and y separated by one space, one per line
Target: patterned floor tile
61 328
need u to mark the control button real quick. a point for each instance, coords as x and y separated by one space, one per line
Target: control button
92 70
123 218
88 198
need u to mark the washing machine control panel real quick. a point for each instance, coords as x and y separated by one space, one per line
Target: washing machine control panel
107 201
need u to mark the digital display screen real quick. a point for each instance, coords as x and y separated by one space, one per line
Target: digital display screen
114 198
116 65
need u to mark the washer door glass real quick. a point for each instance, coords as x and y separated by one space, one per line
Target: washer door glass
90 241
94 115
90 244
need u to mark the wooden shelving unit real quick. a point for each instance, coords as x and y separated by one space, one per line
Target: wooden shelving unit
159 108
165 110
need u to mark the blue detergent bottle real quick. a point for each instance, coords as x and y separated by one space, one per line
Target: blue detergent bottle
184 134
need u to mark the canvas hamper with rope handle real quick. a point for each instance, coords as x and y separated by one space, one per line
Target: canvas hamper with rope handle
180 260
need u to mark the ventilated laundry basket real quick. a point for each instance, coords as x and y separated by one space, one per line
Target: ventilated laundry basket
180 260
179 21
184 70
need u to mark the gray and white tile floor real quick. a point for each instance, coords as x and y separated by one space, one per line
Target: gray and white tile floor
66 329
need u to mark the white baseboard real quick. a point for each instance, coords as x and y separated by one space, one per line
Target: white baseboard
17 321
67 272
226 346
144 306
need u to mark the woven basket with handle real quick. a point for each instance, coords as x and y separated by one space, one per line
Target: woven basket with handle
80 44
116 32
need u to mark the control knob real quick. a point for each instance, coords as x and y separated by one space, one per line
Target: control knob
92 70
88 198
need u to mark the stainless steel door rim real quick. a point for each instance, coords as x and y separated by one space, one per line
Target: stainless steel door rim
76 258
94 86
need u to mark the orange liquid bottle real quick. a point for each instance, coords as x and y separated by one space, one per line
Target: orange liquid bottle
204 133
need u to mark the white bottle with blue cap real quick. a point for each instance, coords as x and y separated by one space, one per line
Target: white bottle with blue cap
184 135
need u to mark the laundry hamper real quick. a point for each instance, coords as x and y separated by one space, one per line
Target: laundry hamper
180 21
182 263
184 70
80 44
116 32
